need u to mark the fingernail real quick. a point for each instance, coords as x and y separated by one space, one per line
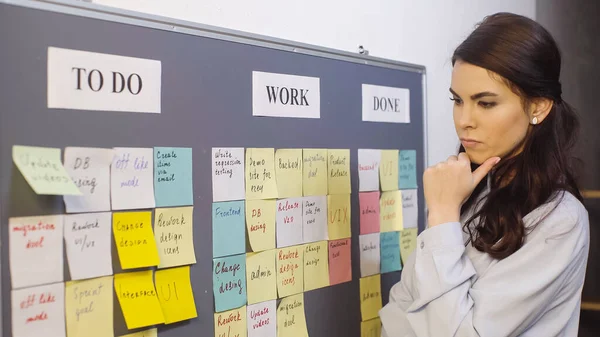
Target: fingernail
497 161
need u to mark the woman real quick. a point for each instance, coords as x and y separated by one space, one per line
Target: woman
507 242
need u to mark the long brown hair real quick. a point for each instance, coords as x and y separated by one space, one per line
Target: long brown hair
527 58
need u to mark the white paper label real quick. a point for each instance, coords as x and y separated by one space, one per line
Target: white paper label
91 81
279 95
39 311
132 178
385 104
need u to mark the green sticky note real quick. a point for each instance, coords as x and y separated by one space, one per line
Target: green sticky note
407 170
173 183
43 170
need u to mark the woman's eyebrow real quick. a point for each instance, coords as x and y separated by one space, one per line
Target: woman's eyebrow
477 95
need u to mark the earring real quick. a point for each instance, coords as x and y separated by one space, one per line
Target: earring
534 121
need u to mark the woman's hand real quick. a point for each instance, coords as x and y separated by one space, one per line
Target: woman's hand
449 184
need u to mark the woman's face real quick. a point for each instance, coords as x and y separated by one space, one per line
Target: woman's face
488 116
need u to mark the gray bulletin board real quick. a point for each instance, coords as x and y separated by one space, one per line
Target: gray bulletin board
206 102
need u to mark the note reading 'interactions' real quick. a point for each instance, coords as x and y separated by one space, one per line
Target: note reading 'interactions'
390 252
260 174
371 328
229 236
35 250
314 219
289 222
90 170
340 262
408 242
138 299
314 176
390 207
39 311
43 170
261 276
145 333
87 241
339 172
316 265
231 323
174 236
370 297
260 223
135 240
173 183
228 174
338 220
368 169
410 208
388 170
229 282
175 294
288 167
132 178
369 212
290 272
291 318
262 320
407 169
89 307
369 254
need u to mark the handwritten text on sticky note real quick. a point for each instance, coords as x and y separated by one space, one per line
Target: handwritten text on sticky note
90 170
340 264
339 171
316 265
89 307
314 176
231 323
290 272
173 183
288 167
260 174
390 207
229 282
314 219
228 220
135 240
291 317
390 252
338 222
39 311
370 296
388 170
289 222
175 294
228 174
368 169
174 236
262 319
137 296
261 276
260 223
132 178
369 212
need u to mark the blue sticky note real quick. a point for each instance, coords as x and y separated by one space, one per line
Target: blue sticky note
407 170
390 252
228 228
229 282
173 184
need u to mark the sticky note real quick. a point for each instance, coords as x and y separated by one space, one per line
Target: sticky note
390 208
261 276
132 179
290 279
175 294
407 169
410 208
39 311
35 250
43 170
260 223
228 223
135 240
408 242
314 175
89 307
370 255
288 170
173 183
371 328
262 319
316 265
338 166
228 174
229 282
137 297
338 220
145 333
369 212
314 218
87 241
173 233
390 252
370 297
368 169
291 317
388 170
231 323
289 222
340 263
260 174
90 170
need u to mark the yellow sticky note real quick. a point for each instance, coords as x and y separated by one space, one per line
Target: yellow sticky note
316 265
288 169
290 279
291 318
146 333
138 300
408 242
231 323
42 168
89 307
390 211
338 167
135 240
261 276
388 170
260 174
371 328
260 222
175 294
314 176
174 236
370 296
338 216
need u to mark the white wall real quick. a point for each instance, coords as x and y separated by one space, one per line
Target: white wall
416 31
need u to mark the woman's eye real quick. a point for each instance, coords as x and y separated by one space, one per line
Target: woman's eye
487 105
457 101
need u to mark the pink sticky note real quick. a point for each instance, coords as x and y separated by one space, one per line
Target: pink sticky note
369 212
340 267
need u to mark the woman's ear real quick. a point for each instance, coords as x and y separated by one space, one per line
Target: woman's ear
539 109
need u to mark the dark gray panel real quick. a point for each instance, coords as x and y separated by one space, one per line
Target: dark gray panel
206 102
